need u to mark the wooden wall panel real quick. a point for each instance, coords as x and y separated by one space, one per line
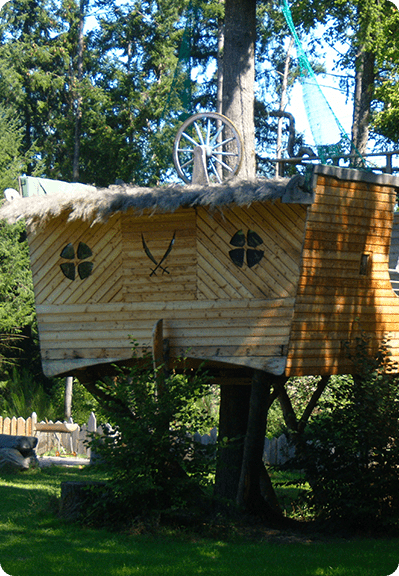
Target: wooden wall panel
249 333
174 278
281 231
337 298
394 254
177 267
309 292
105 282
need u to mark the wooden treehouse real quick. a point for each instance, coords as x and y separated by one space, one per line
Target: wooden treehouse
276 275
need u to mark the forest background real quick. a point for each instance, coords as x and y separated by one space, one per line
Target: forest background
94 90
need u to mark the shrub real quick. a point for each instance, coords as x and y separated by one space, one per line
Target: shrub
154 465
352 455
83 403
21 394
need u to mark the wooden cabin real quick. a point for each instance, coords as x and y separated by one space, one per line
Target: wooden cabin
276 275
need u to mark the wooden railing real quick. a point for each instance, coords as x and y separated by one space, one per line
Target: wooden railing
387 168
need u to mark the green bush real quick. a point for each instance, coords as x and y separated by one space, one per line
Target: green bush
154 465
83 403
21 394
352 452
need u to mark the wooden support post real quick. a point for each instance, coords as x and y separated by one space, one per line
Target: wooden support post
160 354
68 398
200 172
254 484
249 486
157 345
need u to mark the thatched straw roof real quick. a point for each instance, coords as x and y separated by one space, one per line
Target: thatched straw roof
97 205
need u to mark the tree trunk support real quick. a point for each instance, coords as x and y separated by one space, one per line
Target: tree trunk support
233 420
253 473
160 355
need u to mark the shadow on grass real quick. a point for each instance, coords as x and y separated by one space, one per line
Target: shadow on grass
33 540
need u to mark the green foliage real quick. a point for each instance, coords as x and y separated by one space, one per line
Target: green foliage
16 287
154 464
352 452
21 394
291 489
111 102
386 114
12 160
300 390
83 403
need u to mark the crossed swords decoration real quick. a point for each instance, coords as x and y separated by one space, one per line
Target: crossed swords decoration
236 255
158 265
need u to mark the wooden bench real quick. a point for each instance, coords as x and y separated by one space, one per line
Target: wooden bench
56 429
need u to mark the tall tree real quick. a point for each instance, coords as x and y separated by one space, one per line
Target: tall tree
26 28
239 76
78 98
243 408
385 117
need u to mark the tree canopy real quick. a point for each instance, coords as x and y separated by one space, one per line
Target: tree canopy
98 86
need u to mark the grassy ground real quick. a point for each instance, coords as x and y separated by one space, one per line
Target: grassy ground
34 541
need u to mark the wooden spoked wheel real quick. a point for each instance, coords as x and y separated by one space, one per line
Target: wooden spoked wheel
220 141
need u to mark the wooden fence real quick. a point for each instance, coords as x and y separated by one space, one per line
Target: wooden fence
70 443
276 452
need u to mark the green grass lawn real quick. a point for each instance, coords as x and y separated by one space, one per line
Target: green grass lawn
34 542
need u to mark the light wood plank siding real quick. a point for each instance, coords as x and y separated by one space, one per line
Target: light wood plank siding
279 226
394 254
320 277
175 279
50 284
212 309
337 297
242 332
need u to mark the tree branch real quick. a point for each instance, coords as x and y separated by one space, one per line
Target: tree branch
321 386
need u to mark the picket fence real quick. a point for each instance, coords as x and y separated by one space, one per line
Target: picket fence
69 443
276 450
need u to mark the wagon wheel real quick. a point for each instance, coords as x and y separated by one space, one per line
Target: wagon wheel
220 140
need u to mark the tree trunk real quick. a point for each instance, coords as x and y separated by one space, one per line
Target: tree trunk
78 97
297 426
364 90
255 491
279 169
239 76
233 420
249 494
219 97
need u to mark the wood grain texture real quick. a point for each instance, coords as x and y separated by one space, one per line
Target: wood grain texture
173 278
337 300
50 284
176 267
224 331
321 279
281 230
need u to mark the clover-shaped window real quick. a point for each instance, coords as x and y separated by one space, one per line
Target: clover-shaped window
253 256
84 269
